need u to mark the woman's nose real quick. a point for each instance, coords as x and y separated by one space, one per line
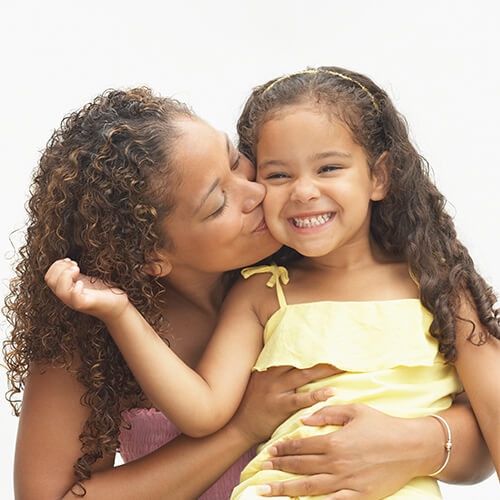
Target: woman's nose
304 190
253 195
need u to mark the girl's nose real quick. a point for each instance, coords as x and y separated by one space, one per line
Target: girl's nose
304 190
253 195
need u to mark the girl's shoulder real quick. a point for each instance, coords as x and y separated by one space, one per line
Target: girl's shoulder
259 287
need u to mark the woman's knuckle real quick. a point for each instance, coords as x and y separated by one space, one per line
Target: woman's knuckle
278 488
295 400
308 486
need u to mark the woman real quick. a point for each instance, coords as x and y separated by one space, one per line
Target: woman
122 182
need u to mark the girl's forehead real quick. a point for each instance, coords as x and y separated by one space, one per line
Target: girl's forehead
324 112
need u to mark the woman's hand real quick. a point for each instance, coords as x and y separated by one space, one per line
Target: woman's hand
270 398
83 293
372 456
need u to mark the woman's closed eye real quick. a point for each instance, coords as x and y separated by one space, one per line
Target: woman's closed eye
221 207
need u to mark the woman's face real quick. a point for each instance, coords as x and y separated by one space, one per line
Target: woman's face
218 222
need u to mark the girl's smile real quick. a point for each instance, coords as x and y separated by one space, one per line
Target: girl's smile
311 223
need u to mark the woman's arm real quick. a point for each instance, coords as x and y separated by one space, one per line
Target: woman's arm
478 367
52 419
215 389
375 454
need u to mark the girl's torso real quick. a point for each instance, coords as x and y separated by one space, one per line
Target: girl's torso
392 363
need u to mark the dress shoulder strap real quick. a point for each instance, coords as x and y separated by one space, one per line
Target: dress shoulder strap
279 275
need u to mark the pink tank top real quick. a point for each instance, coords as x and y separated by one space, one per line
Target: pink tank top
150 430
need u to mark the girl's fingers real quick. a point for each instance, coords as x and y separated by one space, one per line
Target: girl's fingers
65 282
54 271
79 300
77 288
319 484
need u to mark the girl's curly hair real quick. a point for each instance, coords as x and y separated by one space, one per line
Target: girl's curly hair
411 222
103 183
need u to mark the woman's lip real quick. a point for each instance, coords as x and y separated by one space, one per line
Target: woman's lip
261 227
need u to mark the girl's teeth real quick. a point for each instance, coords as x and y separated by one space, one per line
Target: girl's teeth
314 221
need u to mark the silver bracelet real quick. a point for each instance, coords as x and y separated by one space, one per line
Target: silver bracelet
447 445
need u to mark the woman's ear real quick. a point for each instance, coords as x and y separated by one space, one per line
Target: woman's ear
381 176
158 265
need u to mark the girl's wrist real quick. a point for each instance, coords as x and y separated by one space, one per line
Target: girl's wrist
115 317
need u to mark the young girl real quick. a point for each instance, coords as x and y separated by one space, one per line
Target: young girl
385 291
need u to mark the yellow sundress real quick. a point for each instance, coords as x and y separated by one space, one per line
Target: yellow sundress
391 362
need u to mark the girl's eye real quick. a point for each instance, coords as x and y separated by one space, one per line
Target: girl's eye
277 175
221 208
329 168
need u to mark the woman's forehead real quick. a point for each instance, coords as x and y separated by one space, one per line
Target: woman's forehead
201 157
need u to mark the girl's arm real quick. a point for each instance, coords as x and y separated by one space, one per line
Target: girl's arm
217 387
478 367
52 419
375 455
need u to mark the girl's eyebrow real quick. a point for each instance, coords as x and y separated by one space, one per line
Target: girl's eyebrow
330 154
317 156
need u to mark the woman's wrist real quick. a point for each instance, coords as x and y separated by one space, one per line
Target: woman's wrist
428 443
240 434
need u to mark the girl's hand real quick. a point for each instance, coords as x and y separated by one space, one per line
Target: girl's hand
270 398
371 457
83 293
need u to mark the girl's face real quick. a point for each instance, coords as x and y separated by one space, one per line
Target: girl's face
218 221
319 186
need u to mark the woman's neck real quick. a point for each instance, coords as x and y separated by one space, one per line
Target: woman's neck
203 291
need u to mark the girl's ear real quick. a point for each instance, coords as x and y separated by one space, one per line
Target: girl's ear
158 265
381 176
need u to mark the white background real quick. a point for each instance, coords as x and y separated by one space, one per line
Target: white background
437 59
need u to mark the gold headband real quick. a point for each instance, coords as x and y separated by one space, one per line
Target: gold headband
334 73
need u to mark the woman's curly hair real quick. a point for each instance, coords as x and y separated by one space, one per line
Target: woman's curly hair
411 222
103 183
